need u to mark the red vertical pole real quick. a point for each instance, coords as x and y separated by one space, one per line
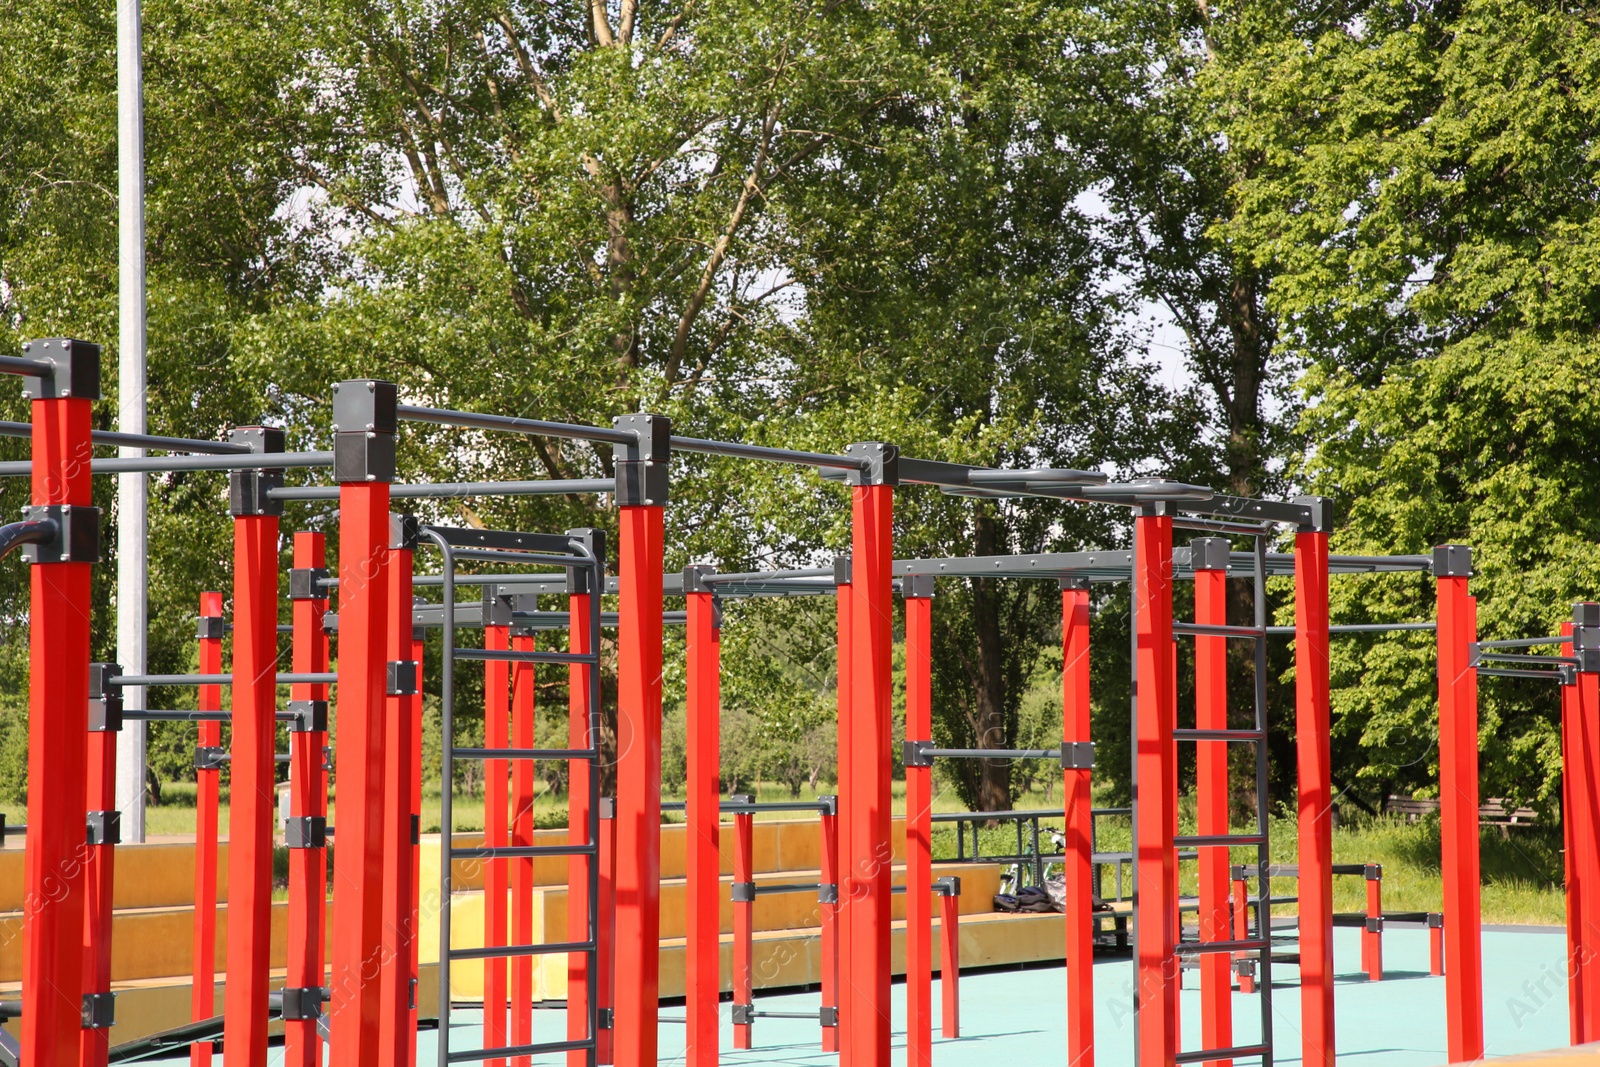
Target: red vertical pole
203 991
918 592
415 912
1575 830
703 948
253 769
104 825
1156 932
1241 931
1436 945
580 638
844 610
867 852
1372 936
641 497
496 833
1078 867
950 964
523 681
606 997
1458 803
364 424
394 978
830 924
1210 557
58 707
1312 728
744 907
308 795
1583 768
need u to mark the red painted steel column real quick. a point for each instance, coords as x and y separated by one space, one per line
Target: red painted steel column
743 921
830 922
868 855
641 497
496 832
950 965
101 800
844 610
308 791
1372 936
252 794
418 646
918 595
364 423
523 735
1575 829
1241 931
1154 805
203 991
580 638
1458 803
1584 770
703 948
1312 727
394 981
1210 556
606 998
58 711
1077 868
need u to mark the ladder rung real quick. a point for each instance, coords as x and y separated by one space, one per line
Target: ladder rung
1202 948
1246 633
514 656
1210 840
507 1051
1211 1055
523 753
498 952
1238 736
521 852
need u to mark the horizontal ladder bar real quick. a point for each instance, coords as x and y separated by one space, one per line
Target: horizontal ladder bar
523 753
499 952
522 852
505 656
1212 1055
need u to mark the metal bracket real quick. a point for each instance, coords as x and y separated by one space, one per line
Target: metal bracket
99 1011
1586 636
608 807
912 753
306 831
306 583
403 677
75 369
883 460
330 622
1074 583
211 628
308 716
105 700
605 1018
327 757
948 886
77 537
1436 920
1373 872
1374 924
301 1002
742 893
210 758
363 457
104 827
828 1015
918 586
1474 654
365 418
1452 561
694 578
1209 553
828 893
498 606
828 805
403 532
843 570
642 469
416 829
411 993
1566 674
1321 517
1077 756
249 491
744 1014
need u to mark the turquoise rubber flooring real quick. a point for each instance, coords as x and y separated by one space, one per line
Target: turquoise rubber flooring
1016 1018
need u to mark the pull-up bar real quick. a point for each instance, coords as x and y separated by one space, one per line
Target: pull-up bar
137 440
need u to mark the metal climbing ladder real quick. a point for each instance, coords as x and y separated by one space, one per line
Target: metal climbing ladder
575 553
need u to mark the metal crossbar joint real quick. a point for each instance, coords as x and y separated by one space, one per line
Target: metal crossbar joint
1373 872
605 1018
364 424
105 698
641 467
742 892
828 893
308 583
306 831
416 832
77 538
1374 924
1435 920
99 1011
301 1002
74 369
210 758
104 827
1077 756
211 628
948 886
308 716
744 1014
915 754
402 680
828 1015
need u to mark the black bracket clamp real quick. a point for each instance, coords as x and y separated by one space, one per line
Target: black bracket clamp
99 1011
1077 756
306 831
77 538
210 758
105 699
402 677
308 716
104 827
308 583
742 893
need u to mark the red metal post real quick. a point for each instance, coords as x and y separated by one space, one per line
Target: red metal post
399 930
1436 944
1078 867
364 424
1155 806
703 947
1583 768
496 832
844 608
1575 830
103 835
1372 935
415 912
1458 804
830 923
1312 729
252 794
1210 555
641 496
580 638
58 709
1241 931
203 991
744 908
523 707
950 965
308 793
606 998
919 827
868 856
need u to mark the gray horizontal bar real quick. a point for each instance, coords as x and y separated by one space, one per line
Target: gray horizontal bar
523 753
1526 642
499 952
778 455
521 852
147 715
754 1014
1204 948
1212 1055
138 440
508 656
992 753
441 490
1507 657
520 559
34 368
283 678
538 427
1362 628
747 576
159 464
1507 672
1248 633
508 1051
1235 736
1210 840
1221 526
786 887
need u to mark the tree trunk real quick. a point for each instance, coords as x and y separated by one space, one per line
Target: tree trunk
994 783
